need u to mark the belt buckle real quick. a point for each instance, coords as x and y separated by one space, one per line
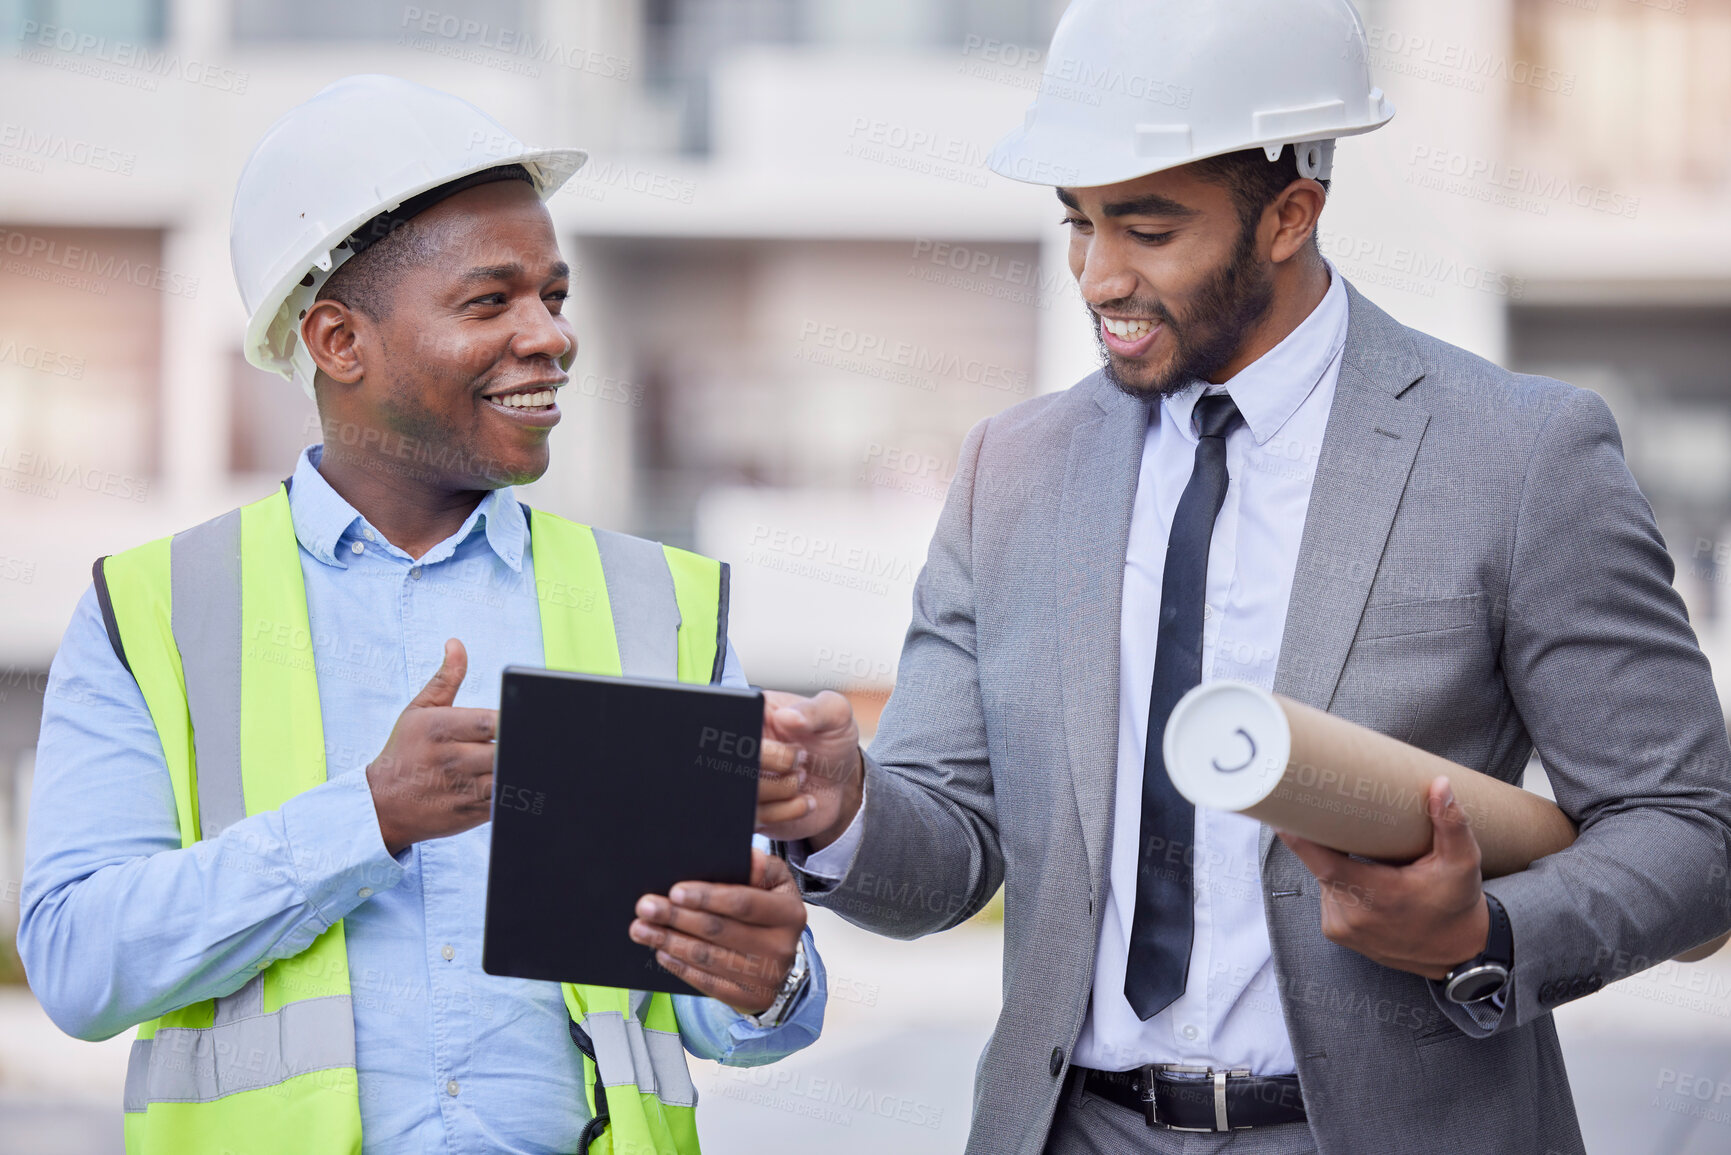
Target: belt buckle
1150 1094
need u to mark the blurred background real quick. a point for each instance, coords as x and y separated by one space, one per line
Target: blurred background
797 288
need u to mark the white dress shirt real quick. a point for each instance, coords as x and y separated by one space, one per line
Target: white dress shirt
1229 1015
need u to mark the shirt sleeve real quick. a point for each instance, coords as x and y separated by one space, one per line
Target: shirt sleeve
831 864
714 1030
118 923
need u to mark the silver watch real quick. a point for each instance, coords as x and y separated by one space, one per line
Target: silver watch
797 976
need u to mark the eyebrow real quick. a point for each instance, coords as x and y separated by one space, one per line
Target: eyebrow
510 271
1152 205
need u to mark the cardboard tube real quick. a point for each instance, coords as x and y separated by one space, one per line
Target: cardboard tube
1234 746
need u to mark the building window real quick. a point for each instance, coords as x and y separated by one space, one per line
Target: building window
134 21
80 348
474 22
684 38
1625 91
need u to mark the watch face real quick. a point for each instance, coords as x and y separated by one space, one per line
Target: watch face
1479 983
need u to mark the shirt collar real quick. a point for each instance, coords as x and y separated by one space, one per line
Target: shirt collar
1269 390
322 519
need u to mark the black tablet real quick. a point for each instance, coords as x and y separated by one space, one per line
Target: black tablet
604 790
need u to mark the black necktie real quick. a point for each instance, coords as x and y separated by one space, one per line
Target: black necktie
1161 932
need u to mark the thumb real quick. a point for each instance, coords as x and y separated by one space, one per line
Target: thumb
1451 833
441 688
769 872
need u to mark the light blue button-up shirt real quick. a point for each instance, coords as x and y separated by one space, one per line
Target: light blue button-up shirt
119 924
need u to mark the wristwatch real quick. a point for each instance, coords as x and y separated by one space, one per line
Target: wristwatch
797 976
1486 974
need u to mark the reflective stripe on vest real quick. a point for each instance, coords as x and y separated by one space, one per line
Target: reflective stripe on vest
223 653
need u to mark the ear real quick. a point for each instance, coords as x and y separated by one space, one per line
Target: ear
330 330
1295 212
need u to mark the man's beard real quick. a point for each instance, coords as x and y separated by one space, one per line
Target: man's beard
1236 296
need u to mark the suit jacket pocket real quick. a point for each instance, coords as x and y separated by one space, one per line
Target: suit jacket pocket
1429 616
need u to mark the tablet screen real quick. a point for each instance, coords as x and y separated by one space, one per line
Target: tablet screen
604 790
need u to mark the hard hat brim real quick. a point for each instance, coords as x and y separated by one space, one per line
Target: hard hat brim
1033 156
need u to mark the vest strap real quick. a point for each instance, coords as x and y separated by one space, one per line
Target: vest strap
202 1064
627 1052
204 574
645 608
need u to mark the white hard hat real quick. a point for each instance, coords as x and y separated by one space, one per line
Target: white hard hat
362 146
1136 86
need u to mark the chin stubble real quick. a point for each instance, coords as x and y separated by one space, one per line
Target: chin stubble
1236 296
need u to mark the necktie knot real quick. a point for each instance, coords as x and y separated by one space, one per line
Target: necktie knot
1215 414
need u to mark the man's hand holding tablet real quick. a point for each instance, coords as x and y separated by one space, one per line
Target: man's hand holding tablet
736 943
733 943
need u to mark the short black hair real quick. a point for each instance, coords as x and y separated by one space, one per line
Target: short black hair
1253 180
367 281
387 246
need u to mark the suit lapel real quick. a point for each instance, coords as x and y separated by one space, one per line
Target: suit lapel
1093 538
1368 450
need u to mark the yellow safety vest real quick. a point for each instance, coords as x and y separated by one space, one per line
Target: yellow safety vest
212 623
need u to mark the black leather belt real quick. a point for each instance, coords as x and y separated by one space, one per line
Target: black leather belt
1181 1098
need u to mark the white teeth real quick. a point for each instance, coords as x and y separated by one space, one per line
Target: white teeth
536 400
1127 330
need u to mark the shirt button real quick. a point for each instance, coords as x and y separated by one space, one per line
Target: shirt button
358 547
415 574
451 1088
1191 1033
1207 612
366 892
447 953
368 534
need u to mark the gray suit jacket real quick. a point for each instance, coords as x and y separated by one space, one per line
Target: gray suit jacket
1479 576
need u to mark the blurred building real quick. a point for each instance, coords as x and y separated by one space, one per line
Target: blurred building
797 284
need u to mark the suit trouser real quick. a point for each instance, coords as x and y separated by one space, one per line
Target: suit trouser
1088 1125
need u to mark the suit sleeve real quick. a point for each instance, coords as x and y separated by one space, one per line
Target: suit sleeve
928 854
1605 672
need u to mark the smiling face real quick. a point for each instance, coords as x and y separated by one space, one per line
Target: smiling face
452 367
1176 280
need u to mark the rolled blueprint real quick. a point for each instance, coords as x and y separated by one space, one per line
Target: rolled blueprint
1233 746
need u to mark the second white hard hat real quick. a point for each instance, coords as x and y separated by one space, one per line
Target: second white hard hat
1133 87
361 146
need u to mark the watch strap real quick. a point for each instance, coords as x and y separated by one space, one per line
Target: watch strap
798 975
